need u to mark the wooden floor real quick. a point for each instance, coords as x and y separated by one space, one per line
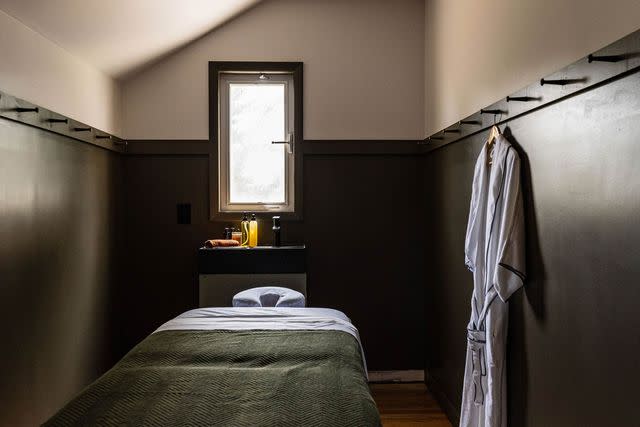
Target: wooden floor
406 405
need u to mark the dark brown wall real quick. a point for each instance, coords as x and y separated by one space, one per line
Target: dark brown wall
361 226
60 212
573 337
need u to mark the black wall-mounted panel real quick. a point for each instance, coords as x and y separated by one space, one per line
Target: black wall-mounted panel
183 213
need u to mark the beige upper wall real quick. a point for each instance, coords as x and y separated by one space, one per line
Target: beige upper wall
480 51
39 71
363 59
147 28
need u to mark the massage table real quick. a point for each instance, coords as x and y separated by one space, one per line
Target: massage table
235 366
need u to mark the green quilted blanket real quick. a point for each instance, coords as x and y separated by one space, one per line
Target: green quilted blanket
230 378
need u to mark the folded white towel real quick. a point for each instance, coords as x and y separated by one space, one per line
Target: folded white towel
269 296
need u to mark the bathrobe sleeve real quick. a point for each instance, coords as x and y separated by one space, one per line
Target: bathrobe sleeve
471 237
509 273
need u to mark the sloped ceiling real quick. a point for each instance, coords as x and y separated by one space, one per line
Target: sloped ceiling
120 36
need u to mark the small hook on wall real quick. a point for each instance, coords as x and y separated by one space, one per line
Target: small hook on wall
58 120
26 110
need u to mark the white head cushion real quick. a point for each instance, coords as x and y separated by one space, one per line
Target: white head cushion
269 296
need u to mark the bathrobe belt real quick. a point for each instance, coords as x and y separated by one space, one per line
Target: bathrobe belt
477 341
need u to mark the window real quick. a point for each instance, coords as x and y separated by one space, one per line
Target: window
256 140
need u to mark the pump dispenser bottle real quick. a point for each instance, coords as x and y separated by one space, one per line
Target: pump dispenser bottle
276 231
244 227
253 231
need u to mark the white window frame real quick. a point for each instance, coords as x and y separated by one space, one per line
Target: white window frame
224 203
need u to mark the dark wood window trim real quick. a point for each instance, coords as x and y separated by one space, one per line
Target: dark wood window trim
217 67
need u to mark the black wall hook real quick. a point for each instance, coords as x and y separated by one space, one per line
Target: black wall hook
523 98
82 129
26 110
58 120
606 58
437 138
103 136
561 82
469 122
451 131
483 111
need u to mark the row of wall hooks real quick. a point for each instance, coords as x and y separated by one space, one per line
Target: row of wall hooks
617 60
18 110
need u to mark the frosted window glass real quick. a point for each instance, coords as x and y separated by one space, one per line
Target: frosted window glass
257 167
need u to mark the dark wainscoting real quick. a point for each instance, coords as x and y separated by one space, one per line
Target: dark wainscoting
573 337
61 223
362 227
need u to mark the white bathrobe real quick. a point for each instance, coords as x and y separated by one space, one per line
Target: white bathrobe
495 253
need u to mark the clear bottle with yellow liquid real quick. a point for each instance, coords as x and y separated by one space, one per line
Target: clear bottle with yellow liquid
253 231
244 227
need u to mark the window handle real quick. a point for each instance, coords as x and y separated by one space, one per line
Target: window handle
289 142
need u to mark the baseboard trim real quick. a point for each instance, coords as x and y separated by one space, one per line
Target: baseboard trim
449 408
408 376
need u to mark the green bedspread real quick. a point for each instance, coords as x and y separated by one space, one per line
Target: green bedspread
230 378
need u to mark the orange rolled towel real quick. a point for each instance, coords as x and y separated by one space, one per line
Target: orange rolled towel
220 243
